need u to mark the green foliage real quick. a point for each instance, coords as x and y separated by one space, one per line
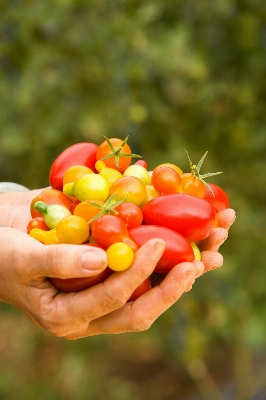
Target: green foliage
172 75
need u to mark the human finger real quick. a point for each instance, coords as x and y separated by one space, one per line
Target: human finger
139 315
115 291
211 260
226 218
216 238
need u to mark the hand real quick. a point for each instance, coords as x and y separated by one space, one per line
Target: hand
99 309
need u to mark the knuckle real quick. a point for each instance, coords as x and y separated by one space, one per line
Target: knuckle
140 324
114 300
54 259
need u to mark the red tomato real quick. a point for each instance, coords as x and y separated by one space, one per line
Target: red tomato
191 216
142 163
78 154
177 250
130 214
220 200
49 197
37 223
108 229
104 150
74 205
166 180
141 289
78 284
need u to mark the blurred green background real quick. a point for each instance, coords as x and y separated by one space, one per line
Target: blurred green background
174 75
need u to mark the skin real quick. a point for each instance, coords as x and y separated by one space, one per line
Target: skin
103 309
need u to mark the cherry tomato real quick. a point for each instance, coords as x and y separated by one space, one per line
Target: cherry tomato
77 154
75 172
89 187
110 174
139 172
87 210
191 216
131 188
173 166
192 185
50 196
108 229
141 289
73 230
177 250
37 222
220 200
116 161
150 193
166 180
130 214
142 163
73 206
120 256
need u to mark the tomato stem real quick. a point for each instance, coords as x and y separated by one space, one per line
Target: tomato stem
107 208
116 153
195 170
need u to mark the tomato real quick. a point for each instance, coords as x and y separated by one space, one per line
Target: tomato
220 200
75 172
192 185
142 163
130 214
73 206
166 180
78 284
191 216
73 230
177 250
130 188
139 172
120 256
50 196
37 223
88 187
115 153
108 229
173 166
87 210
78 154
141 289
110 174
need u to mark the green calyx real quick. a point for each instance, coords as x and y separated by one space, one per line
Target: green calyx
195 170
52 214
107 208
116 153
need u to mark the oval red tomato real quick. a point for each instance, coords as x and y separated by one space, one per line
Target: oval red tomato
177 250
78 154
191 216
220 200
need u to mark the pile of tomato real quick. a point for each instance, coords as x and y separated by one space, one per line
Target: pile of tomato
105 196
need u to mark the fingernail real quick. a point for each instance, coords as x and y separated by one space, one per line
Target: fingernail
93 260
157 251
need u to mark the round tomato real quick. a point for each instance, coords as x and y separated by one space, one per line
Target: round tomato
130 188
191 216
130 214
108 229
166 180
192 185
37 222
120 161
218 199
178 249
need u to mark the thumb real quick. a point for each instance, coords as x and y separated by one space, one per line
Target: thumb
34 259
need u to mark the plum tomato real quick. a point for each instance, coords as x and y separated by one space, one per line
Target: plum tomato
130 188
49 197
72 230
166 180
115 153
191 216
130 214
78 154
108 229
218 199
120 256
178 249
141 289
